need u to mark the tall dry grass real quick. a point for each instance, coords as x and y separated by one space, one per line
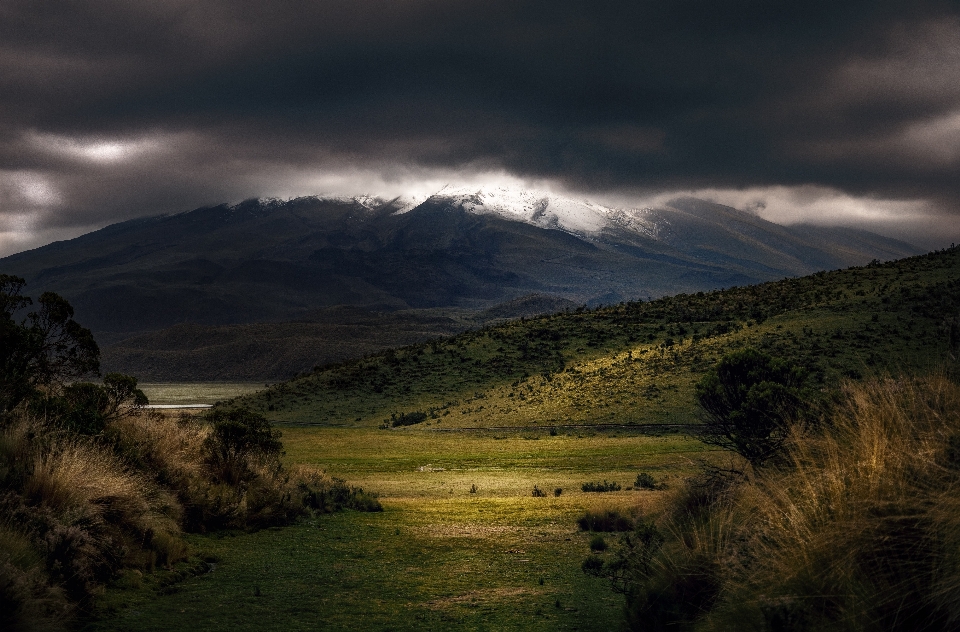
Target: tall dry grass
76 509
858 528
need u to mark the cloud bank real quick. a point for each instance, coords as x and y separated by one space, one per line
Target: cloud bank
807 111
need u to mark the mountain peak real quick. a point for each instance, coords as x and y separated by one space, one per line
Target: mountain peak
539 208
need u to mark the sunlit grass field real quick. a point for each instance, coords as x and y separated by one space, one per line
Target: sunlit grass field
439 556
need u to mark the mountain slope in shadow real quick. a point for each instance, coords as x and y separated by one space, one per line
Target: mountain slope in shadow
273 262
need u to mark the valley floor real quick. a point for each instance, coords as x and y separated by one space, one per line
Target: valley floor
439 556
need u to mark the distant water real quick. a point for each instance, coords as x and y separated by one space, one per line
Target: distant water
194 394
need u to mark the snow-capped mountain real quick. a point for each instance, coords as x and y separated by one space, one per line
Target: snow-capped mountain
471 249
546 210
464 247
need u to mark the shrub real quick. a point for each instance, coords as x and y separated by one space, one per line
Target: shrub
325 494
646 481
605 486
557 491
27 600
747 402
598 544
407 419
607 521
87 408
239 438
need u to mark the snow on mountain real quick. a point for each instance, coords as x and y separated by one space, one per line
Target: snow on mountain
547 210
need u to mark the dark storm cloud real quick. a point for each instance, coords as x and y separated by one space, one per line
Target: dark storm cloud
110 109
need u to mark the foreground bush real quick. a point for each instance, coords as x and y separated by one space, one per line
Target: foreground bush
76 510
91 484
857 529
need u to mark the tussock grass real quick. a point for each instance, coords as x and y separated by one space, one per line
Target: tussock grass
857 529
72 472
863 528
168 445
81 510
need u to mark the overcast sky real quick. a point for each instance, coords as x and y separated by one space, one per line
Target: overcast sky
832 111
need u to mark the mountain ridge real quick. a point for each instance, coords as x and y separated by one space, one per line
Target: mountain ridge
468 250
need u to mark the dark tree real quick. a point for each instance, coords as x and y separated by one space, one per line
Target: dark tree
748 401
238 435
46 348
87 408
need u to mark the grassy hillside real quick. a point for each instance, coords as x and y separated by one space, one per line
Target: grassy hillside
636 363
275 351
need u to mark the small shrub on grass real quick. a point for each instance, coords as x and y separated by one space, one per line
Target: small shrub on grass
598 544
558 491
646 481
605 486
608 521
324 494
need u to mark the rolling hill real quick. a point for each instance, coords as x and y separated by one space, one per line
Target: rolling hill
636 363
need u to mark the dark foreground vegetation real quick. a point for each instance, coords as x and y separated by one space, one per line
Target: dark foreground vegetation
836 509
854 526
92 485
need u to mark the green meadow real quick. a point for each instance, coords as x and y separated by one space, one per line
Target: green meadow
549 403
439 556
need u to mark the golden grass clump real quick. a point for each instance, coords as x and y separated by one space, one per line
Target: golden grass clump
858 528
72 472
86 507
862 527
168 446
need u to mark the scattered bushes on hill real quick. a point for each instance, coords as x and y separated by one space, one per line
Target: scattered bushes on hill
856 527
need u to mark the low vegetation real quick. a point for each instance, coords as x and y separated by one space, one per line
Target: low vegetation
92 485
855 527
823 497
600 486
608 520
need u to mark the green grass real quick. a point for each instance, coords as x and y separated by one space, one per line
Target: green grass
439 556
